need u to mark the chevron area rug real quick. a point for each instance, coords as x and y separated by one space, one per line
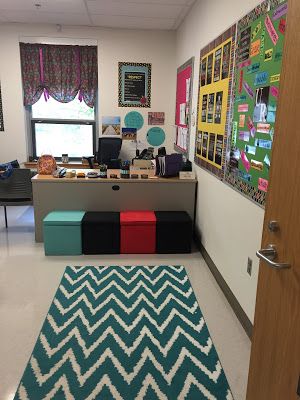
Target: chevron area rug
123 332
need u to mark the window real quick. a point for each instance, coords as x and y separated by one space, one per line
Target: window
59 128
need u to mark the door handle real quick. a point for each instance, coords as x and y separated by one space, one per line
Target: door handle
269 255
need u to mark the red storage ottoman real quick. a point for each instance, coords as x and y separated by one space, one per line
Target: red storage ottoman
138 232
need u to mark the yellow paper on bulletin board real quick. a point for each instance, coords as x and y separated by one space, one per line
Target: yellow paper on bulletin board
213 99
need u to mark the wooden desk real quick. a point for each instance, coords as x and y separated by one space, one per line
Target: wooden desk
154 193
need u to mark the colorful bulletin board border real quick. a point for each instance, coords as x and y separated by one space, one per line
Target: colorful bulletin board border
1 113
184 94
260 40
134 84
215 102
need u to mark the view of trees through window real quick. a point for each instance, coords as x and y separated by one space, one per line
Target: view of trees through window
60 128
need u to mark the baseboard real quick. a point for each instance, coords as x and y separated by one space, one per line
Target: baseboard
235 305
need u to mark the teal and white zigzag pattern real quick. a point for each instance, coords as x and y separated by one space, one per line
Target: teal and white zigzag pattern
124 333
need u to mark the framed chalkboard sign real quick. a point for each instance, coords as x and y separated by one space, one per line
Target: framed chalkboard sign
134 84
1 114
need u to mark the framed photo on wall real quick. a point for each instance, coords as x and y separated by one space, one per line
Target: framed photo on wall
1 114
134 84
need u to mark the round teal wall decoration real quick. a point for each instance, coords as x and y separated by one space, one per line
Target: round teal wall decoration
134 119
156 136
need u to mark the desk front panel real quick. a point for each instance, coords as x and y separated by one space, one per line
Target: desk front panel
110 196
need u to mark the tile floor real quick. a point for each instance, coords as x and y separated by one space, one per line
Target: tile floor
28 282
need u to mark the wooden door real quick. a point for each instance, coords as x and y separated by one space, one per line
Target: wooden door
275 356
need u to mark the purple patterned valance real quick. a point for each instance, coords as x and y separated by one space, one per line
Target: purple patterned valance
59 71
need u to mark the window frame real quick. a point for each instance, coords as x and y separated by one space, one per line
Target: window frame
34 121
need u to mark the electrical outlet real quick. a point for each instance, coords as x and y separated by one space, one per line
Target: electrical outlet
249 266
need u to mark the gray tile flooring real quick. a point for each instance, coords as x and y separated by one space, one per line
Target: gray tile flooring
28 281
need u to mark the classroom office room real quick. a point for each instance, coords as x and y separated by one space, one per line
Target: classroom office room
149 199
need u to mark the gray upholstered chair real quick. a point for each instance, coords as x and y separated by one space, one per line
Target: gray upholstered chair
16 190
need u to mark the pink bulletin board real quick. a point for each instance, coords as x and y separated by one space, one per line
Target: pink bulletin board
184 90
181 90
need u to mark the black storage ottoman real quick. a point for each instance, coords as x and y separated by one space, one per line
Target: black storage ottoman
174 230
101 233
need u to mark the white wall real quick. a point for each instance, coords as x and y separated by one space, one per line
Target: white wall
229 224
114 45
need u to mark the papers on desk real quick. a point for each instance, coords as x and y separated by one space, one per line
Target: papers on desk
182 136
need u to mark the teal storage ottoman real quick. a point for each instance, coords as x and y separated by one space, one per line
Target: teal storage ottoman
62 233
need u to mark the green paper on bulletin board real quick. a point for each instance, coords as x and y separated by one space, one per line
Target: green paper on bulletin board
156 136
134 120
259 51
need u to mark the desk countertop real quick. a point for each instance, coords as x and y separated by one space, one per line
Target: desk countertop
69 165
151 173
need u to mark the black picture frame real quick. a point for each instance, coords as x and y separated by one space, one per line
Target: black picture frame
134 84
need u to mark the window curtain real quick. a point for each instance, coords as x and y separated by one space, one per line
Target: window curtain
59 71
31 73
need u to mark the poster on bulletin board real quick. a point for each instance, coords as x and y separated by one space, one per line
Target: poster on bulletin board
184 92
260 40
214 102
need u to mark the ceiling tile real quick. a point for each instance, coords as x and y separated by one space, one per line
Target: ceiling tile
55 6
139 2
46 18
132 22
103 7
131 14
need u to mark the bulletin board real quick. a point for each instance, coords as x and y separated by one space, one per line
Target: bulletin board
184 93
214 102
260 40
